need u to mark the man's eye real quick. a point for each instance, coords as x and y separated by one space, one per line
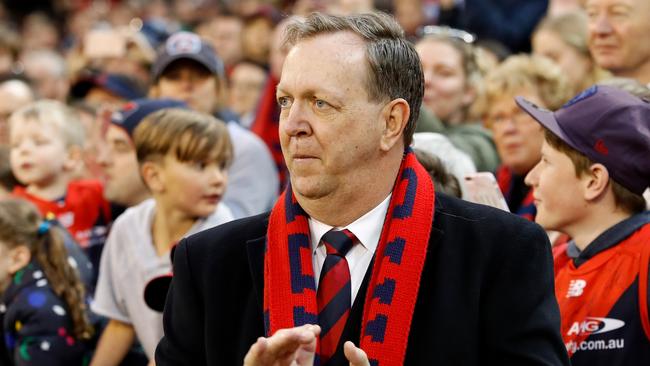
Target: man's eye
284 102
321 104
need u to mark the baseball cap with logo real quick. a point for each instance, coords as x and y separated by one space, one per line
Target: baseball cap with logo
131 114
187 45
122 86
609 126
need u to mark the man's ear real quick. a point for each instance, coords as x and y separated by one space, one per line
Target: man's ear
596 182
19 257
74 158
395 116
151 175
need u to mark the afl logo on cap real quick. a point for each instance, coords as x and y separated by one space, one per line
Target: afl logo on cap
582 96
183 43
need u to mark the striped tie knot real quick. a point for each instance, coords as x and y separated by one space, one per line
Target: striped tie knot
338 242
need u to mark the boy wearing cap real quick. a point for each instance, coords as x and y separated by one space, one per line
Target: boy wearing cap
182 156
188 69
588 185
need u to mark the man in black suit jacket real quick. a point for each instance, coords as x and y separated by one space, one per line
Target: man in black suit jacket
474 287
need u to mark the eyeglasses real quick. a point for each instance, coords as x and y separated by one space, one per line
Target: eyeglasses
517 117
444 31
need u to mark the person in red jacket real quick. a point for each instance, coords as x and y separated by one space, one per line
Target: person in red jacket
589 185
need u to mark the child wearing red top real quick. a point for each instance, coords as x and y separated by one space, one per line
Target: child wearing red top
46 141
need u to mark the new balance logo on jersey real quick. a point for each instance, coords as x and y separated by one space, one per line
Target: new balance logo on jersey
576 287
595 325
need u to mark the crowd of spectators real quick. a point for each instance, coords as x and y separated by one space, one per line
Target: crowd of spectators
92 92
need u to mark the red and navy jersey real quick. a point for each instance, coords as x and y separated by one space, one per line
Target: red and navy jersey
83 211
603 296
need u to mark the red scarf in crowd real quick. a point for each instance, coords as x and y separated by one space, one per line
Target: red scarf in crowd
289 285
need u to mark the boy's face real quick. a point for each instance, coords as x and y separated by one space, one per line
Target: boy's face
190 82
38 154
558 192
193 188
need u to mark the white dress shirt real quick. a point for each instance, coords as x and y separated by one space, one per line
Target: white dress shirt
367 229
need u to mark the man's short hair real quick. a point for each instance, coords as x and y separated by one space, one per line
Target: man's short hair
394 66
625 199
188 135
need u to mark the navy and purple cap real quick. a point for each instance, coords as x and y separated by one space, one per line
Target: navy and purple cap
131 114
123 86
187 45
608 125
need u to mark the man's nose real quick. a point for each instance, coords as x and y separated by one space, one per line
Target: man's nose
103 155
295 120
601 25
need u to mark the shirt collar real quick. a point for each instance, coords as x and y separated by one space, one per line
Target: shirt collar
366 228
609 238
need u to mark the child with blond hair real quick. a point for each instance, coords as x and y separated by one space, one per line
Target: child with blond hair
46 140
183 157
43 311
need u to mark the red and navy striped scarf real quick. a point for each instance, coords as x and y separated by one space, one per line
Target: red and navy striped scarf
289 285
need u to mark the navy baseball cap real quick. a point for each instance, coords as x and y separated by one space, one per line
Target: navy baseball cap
123 86
187 45
609 126
131 114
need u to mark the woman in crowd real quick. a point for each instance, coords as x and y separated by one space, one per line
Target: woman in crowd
563 39
452 78
517 136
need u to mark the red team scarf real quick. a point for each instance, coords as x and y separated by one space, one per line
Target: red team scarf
289 286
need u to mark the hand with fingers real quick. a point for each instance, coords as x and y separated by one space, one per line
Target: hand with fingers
355 355
287 347
296 347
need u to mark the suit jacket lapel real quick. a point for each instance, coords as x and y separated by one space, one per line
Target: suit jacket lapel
255 249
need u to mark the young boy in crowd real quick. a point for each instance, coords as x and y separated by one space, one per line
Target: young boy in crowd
588 185
46 140
183 157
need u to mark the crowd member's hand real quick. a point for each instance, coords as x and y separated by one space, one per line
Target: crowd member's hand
287 347
355 355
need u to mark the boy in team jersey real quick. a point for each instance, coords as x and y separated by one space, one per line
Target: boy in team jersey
595 166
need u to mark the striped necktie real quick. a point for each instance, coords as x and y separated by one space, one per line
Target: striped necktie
334 291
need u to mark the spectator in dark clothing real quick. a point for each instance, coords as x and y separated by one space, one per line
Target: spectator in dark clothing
510 22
